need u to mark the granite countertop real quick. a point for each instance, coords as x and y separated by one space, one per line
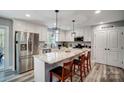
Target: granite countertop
54 57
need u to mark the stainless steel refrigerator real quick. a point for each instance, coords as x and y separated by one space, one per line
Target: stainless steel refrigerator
26 45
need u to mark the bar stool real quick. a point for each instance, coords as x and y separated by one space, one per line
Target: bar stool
81 66
76 62
62 73
88 61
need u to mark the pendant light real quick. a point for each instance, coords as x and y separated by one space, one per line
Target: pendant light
73 33
56 29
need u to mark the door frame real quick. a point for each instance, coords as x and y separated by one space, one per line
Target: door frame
7 48
119 29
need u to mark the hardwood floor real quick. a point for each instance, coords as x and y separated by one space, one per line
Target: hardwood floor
25 77
105 73
99 73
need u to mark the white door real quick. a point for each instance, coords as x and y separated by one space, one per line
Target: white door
114 48
100 42
122 47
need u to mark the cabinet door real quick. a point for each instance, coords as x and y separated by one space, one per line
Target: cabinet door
114 50
69 37
100 42
44 34
62 36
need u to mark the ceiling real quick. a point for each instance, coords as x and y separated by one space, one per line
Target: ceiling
65 17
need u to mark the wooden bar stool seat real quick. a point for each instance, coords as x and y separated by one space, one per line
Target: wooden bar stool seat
76 62
62 73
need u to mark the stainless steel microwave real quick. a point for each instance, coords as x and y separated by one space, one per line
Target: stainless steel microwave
81 38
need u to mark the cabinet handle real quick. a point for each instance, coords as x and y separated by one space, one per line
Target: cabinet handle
105 48
108 49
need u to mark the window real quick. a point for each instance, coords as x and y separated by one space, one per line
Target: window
53 37
1 39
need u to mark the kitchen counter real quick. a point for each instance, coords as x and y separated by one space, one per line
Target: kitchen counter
55 57
44 62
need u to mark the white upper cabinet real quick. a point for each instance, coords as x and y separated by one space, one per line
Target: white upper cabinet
86 33
44 34
30 27
26 26
19 25
62 36
69 36
79 33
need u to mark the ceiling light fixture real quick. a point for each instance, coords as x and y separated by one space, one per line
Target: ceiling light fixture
27 15
97 12
101 22
73 33
56 28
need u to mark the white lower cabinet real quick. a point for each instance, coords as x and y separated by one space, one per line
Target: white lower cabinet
109 47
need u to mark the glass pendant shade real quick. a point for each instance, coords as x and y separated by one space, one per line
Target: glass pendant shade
73 33
57 31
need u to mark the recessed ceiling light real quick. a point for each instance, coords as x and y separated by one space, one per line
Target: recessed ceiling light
97 12
27 15
101 22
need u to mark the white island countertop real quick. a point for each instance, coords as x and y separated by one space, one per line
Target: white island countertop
58 56
43 63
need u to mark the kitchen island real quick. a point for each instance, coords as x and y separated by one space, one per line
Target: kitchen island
43 63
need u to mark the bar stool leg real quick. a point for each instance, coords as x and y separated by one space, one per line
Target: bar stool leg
50 76
71 77
59 80
78 66
90 64
81 74
84 70
87 66
74 68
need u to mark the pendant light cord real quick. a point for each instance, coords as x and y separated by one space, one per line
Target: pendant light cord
73 25
56 18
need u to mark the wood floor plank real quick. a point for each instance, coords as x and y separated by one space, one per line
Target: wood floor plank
98 73
105 73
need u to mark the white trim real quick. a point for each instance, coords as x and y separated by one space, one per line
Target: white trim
6 46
